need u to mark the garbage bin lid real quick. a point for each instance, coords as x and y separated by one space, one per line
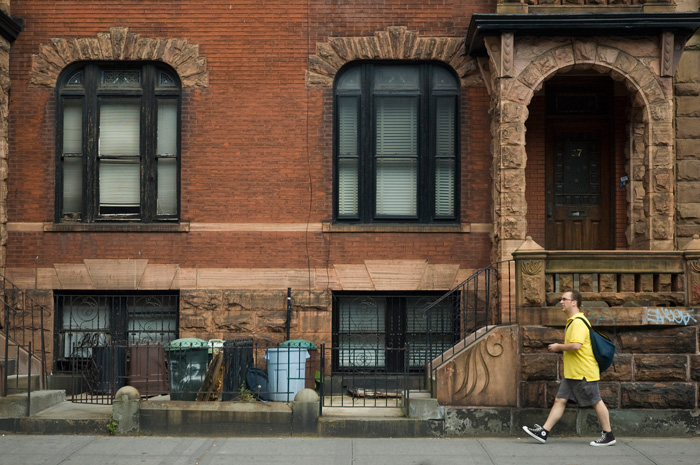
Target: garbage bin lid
215 344
299 343
187 343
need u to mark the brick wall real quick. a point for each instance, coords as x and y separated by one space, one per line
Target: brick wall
256 143
535 170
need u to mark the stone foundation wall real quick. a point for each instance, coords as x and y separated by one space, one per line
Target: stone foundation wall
259 314
654 367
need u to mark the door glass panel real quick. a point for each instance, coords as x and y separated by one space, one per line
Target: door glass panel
577 171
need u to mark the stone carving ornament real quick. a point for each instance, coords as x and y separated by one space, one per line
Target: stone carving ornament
120 45
531 267
396 43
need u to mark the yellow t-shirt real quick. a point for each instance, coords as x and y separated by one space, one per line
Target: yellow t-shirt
579 364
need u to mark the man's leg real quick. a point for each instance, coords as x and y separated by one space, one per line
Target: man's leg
557 411
603 415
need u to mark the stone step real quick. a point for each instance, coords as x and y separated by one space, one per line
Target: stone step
18 384
15 405
421 405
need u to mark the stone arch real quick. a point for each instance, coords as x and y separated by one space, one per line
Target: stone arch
119 44
650 136
396 43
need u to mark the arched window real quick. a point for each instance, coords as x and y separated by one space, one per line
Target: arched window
118 143
396 140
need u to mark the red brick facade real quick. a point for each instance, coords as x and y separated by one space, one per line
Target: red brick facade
256 143
257 163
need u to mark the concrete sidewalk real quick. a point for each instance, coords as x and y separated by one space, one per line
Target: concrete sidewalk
64 450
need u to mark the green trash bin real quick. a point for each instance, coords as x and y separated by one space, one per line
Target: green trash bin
299 344
187 359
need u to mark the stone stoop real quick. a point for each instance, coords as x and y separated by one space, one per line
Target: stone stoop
422 406
15 405
18 384
481 371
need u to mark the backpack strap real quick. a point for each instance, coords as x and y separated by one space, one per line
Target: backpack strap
577 318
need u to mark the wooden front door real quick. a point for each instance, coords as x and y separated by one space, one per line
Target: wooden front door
578 204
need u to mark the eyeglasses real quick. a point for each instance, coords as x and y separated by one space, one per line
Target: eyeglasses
564 298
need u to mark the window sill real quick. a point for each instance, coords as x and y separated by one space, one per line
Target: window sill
117 227
396 228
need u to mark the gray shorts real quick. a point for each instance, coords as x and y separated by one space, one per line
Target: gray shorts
582 392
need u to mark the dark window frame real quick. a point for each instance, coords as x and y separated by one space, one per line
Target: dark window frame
394 331
427 96
91 92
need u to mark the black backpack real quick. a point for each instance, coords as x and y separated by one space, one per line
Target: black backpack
603 347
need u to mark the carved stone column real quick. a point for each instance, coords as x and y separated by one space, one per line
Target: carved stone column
509 99
692 270
530 275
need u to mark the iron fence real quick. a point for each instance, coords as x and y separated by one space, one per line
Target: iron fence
368 382
237 370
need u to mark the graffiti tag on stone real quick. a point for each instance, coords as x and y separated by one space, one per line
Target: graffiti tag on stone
665 316
600 316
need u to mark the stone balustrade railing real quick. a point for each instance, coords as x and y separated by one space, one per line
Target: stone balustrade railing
614 278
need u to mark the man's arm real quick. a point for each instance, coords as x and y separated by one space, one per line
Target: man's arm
570 347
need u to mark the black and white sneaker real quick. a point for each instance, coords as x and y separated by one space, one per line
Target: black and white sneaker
606 439
538 433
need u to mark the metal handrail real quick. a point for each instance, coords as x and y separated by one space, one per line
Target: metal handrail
479 308
22 315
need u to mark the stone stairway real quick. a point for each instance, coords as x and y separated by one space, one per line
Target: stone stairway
25 394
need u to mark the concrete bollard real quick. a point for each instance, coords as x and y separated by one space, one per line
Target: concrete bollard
125 410
305 412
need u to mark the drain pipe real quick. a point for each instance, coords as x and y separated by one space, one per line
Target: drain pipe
289 310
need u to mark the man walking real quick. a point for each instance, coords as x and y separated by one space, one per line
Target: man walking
581 374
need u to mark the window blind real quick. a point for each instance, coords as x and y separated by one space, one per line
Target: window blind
119 128
120 177
72 166
445 157
72 126
167 127
120 182
166 146
72 185
348 180
396 168
167 186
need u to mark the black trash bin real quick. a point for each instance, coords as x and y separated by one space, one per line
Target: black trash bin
109 365
238 358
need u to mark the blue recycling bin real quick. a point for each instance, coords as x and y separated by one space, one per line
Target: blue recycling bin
286 372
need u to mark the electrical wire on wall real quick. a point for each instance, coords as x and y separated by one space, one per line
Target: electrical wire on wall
308 154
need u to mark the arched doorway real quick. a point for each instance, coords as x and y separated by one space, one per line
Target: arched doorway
575 143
